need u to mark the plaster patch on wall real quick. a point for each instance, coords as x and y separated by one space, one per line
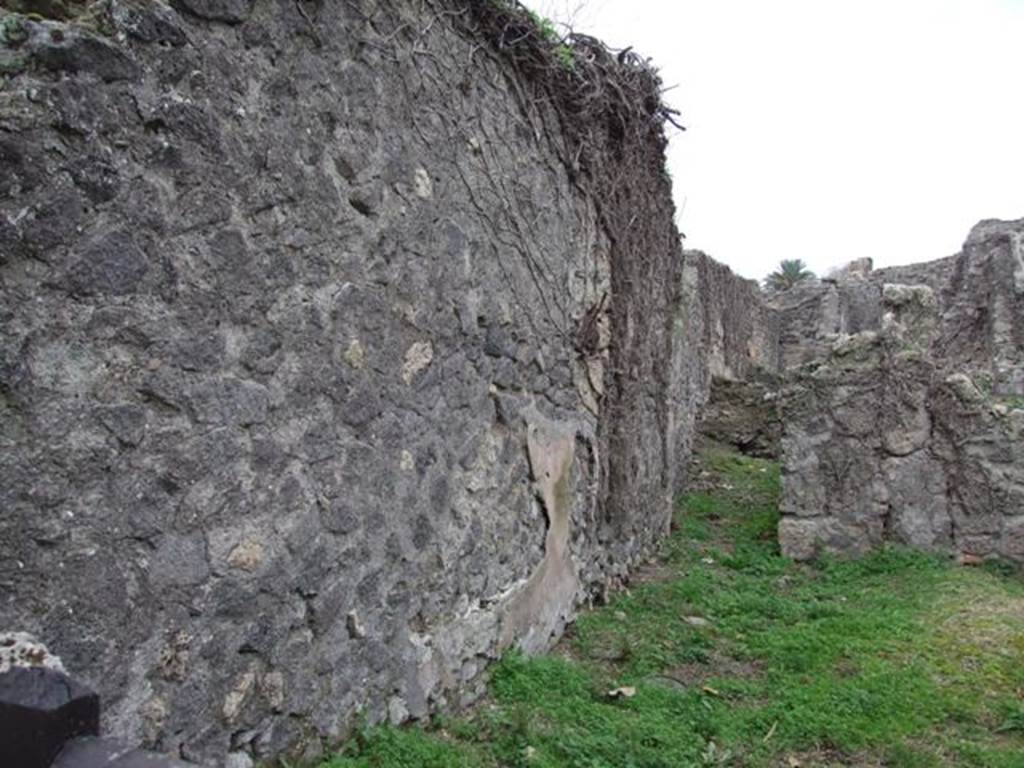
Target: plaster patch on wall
541 609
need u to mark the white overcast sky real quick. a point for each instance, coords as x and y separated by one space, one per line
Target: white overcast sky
828 130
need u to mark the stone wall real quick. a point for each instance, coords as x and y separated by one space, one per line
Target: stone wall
901 396
321 380
815 311
979 298
325 377
745 415
981 303
51 720
734 338
739 333
887 440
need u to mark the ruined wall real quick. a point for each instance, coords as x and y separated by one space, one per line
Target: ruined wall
981 300
324 376
902 435
735 339
893 395
978 292
740 334
897 393
745 415
815 311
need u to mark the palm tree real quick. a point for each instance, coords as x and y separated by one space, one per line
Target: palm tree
789 273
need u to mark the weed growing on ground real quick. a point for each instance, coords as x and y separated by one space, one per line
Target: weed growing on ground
740 657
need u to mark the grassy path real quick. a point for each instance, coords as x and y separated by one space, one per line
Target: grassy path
726 654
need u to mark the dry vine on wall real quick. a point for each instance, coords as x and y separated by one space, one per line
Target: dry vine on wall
613 121
610 137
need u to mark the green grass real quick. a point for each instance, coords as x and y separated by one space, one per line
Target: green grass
899 659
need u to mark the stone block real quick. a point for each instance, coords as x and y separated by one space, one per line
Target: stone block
40 710
800 539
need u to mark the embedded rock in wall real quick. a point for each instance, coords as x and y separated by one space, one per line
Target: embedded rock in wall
315 348
20 649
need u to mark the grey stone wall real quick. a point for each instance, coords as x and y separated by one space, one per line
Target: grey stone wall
739 333
735 338
294 424
979 293
885 440
813 313
51 720
880 441
745 415
320 386
982 307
